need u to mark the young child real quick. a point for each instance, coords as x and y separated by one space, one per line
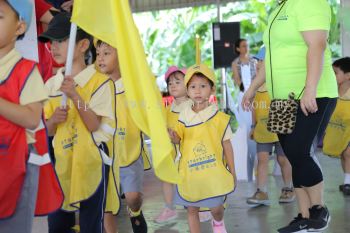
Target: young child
128 142
22 95
78 130
207 163
107 63
174 78
337 139
266 141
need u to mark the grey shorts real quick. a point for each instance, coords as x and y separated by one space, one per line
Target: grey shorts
22 220
207 203
131 177
267 147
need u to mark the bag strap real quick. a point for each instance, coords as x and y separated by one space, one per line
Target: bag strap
302 91
273 20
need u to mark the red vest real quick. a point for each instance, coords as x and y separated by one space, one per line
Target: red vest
13 141
14 152
50 196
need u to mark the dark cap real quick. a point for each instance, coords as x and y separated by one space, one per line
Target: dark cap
59 28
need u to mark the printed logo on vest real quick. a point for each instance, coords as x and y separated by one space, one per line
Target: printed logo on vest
202 160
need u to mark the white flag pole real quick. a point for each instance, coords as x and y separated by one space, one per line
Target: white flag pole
69 62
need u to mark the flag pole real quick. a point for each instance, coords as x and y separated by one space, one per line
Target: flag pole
198 50
70 54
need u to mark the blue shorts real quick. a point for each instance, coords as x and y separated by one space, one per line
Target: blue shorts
207 203
267 147
131 177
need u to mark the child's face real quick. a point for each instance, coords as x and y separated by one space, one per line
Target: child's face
340 75
10 26
199 89
107 58
59 50
176 85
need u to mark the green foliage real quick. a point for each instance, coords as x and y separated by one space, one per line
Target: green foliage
169 36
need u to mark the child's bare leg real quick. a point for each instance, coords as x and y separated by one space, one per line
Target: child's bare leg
286 169
168 192
193 219
218 213
110 223
262 170
134 201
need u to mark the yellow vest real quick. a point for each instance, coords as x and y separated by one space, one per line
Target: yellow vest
337 135
113 188
261 106
79 163
202 165
128 139
172 117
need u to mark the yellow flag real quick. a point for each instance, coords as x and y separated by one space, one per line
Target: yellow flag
111 21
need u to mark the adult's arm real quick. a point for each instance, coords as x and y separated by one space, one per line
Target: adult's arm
316 41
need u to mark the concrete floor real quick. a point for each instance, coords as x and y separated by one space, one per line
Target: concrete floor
239 217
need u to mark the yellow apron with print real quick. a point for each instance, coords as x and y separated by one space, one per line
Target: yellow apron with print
202 165
337 135
113 188
261 106
129 139
79 163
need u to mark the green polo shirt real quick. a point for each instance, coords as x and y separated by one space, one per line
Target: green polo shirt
289 51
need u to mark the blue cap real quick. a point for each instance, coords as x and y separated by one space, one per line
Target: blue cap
24 9
261 54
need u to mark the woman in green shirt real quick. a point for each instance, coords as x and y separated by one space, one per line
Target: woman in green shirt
298 60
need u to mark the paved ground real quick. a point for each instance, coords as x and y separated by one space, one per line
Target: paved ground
239 217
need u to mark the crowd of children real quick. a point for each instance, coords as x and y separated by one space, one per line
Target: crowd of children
99 151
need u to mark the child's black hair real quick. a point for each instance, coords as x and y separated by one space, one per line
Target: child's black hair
168 79
20 37
99 43
211 83
343 64
238 43
90 54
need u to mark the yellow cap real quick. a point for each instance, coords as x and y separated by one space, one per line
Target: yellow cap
201 68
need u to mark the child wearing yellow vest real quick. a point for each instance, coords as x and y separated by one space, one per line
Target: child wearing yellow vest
266 141
79 130
174 78
337 139
107 63
207 163
129 148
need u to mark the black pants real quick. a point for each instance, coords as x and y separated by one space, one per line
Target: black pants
297 145
90 213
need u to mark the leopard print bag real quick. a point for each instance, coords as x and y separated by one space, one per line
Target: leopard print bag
283 115
282 112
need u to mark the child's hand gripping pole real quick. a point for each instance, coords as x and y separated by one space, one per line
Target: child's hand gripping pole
69 62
